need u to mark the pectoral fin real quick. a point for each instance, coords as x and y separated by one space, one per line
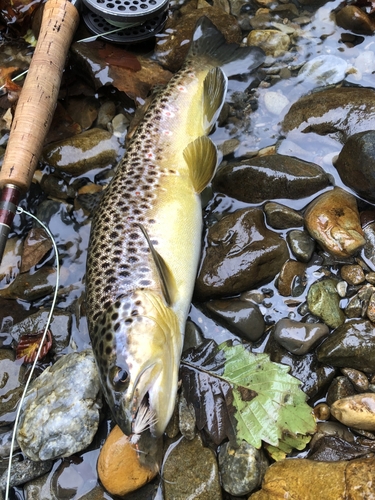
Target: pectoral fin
201 157
167 281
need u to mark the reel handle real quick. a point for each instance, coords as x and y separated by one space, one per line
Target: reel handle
39 94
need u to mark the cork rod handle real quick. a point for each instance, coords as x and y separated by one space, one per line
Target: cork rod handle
39 94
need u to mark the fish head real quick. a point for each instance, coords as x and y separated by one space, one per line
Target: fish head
139 360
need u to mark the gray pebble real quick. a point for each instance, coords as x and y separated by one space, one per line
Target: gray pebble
299 338
301 244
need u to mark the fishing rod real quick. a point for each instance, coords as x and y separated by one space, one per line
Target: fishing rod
135 21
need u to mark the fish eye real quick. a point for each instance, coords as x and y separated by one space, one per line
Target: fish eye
119 378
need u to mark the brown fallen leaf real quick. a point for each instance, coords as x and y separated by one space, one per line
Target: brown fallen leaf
135 81
29 344
18 11
37 244
63 126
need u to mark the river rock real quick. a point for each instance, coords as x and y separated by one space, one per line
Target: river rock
120 468
322 112
95 148
333 449
356 164
309 480
273 176
314 376
24 471
5 442
241 253
354 19
323 70
356 411
369 249
31 286
324 301
340 387
60 414
240 316
273 42
357 378
281 217
289 274
333 220
11 385
301 244
11 261
299 338
242 468
191 471
359 303
351 345
352 274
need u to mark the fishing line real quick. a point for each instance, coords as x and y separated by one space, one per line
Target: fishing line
22 211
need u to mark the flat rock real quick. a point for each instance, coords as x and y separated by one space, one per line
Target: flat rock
240 254
302 479
267 177
339 112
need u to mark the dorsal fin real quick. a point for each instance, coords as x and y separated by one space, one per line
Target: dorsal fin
201 158
209 41
167 281
214 90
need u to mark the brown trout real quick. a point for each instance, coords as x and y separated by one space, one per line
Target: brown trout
146 235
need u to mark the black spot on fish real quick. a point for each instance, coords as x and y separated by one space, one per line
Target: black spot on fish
108 350
134 236
134 312
109 336
116 326
128 321
124 274
117 304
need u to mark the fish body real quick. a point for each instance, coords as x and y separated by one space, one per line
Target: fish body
145 239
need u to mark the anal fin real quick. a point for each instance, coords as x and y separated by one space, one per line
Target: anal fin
214 90
201 157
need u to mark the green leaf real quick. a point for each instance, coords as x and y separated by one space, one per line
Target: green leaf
270 405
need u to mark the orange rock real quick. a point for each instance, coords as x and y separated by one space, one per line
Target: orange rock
119 467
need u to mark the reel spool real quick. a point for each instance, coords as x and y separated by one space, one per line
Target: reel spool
140 19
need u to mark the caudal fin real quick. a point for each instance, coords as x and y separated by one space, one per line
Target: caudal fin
233 59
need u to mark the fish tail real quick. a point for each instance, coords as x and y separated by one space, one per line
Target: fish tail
210 42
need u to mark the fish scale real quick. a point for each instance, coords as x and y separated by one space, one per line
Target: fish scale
146 236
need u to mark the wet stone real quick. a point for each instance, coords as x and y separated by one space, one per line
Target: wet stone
370 312
356 163
299 338
241 469
187 418
59 402
106 113
11 385
186 477
369 249
333 449
273 42
240 316
290 271
24 471
351 345
322 113
273 176
331 429
358 305
93 149
324 301
353 274
356 411
322 411
241 253
281 217
333 220
357 378
323 70
193 335
310 480
301 245
313 375
31 286
5 442
56 187
340 387
354 19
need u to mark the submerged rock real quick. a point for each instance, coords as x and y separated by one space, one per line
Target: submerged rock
24 471
60 414
273 176
187 477
341 112
352 345
310 480
299 338
333 220
323 70
241 253
273 42
282 217
11 385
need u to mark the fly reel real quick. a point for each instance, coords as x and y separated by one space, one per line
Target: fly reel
139 19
